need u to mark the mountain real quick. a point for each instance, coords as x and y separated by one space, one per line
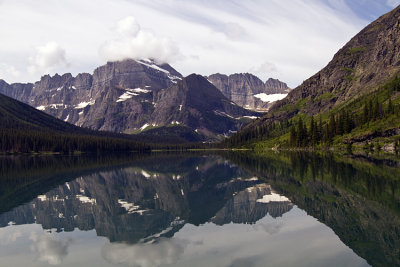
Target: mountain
131 96
355 98
249 91
198 104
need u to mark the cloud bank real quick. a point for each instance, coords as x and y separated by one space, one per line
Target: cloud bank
48 57
133 42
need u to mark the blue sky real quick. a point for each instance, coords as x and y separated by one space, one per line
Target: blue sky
286 39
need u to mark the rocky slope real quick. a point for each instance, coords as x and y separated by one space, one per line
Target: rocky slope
131 96
249 91
363 65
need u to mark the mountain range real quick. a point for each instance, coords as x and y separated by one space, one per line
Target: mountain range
140 97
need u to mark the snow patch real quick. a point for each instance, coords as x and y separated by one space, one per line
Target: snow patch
270 98
149 63
251 117
139 90
85 199
173 224
125 96
221 113
42 197
130 207
67 118
84 104
176 177
73 87
146 174
144 126
180 107
175 122
273 197
54 106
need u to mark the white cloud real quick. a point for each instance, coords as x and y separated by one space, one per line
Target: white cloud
48 248
128 27
48 57
133 42
393 3
164 251
9 71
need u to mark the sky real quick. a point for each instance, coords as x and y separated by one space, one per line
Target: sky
286 39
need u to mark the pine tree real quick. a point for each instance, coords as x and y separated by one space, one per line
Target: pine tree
390 109
293 137
313 132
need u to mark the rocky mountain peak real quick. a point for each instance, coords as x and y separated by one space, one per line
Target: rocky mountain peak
197 103
275 86
248 91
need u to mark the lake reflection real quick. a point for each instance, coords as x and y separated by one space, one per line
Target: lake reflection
170 210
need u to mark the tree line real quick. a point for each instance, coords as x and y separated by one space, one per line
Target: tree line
317 131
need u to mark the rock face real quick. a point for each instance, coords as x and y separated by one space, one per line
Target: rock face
198 104
275 86
247 90
130 96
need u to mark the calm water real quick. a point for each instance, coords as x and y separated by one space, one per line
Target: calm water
199 210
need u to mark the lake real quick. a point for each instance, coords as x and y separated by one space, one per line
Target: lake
179 209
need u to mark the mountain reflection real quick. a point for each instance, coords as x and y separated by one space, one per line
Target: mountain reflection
151 199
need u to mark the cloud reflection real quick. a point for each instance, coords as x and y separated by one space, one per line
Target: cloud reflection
165 251
48 248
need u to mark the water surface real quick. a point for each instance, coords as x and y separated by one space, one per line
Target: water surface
198 210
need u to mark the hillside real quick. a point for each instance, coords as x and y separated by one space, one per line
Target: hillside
25 129
354 100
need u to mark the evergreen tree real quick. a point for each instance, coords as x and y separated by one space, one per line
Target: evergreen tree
390 109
